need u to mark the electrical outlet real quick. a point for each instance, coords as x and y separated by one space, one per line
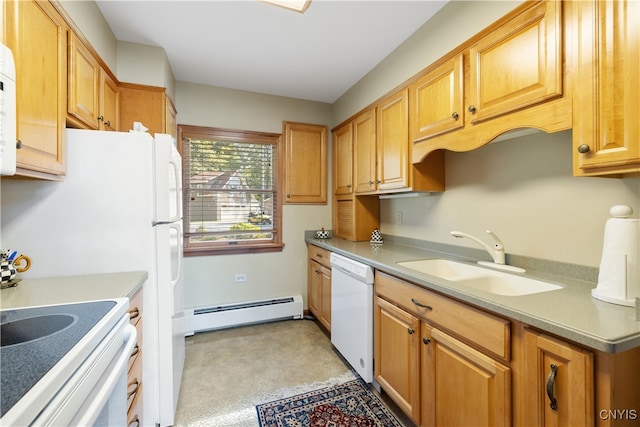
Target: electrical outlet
399 218
240 278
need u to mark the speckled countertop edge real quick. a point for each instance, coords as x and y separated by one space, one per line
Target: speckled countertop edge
70 289
571 313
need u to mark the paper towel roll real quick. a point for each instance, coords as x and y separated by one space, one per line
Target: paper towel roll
619 275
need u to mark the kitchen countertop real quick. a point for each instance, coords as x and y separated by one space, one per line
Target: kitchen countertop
68 289
570 312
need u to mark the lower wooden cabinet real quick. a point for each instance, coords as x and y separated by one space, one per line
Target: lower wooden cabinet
319 285
559 377
397 356
460 385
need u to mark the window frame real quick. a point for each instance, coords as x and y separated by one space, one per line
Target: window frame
233 135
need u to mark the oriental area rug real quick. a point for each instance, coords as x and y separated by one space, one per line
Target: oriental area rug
350 404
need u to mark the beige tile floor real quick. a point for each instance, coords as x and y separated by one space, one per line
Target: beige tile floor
228 372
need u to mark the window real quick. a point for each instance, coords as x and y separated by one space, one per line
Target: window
230 180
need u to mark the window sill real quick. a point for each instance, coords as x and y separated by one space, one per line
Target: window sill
231 250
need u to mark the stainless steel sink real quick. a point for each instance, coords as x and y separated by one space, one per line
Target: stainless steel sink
494 282
33 328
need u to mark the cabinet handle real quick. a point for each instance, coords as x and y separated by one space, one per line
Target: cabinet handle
426 340
472 109
134 422
550 383
419 304
455 116
135 385
100 118
318 255
107 123
410 331
583 148
133 313
136 350
18 144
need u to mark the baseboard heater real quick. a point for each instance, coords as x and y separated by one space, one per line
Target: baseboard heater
244 313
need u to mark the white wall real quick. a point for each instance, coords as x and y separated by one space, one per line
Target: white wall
147 65
210 279
524 191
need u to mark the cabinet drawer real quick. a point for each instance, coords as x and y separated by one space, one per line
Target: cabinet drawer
320 255
137 348
134 416
471 325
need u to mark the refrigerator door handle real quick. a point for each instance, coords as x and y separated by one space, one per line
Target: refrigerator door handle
155 223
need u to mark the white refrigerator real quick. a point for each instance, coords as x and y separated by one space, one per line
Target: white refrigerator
119 208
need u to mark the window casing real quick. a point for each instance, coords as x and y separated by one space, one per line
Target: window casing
231 191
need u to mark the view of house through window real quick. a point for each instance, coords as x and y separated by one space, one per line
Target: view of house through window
230 182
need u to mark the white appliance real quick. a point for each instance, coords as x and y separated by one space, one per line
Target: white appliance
352 313
7 112
119 208
77 371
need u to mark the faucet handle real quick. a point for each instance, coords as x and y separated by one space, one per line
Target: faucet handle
498 243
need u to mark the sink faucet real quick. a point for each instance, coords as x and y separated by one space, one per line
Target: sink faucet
497 252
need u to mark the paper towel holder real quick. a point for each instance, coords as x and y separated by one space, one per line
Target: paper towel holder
617 289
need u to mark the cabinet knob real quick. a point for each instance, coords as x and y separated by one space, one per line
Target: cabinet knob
426 340
472 108
107 123
288 196
583 148
378 181
550 383
455 115
100 118
18 144
370 182
348 185
410 331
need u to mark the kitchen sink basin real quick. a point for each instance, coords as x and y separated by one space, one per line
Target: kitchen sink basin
444 268
32 328
494 282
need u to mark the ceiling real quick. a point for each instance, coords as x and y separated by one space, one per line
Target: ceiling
251 45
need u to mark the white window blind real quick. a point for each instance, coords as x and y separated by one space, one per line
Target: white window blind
230 189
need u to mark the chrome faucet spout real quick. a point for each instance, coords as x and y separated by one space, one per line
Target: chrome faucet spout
496 252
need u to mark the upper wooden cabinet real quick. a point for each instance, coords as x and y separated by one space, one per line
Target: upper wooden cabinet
343 159
147 105
37 35
92 99
305 160
364 152
606 132
436 100
518 65
510 76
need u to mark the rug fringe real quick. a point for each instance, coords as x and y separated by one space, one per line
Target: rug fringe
285 392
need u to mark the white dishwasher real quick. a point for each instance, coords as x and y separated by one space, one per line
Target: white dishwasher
352 313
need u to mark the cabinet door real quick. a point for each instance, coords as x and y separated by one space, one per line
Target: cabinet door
144 104
37 35
397 356
460 385
305 158
364 152
325 313
606 131
343 159
436 100
558 380
109 102
392 142
518 65
84 84
314 289
171 125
